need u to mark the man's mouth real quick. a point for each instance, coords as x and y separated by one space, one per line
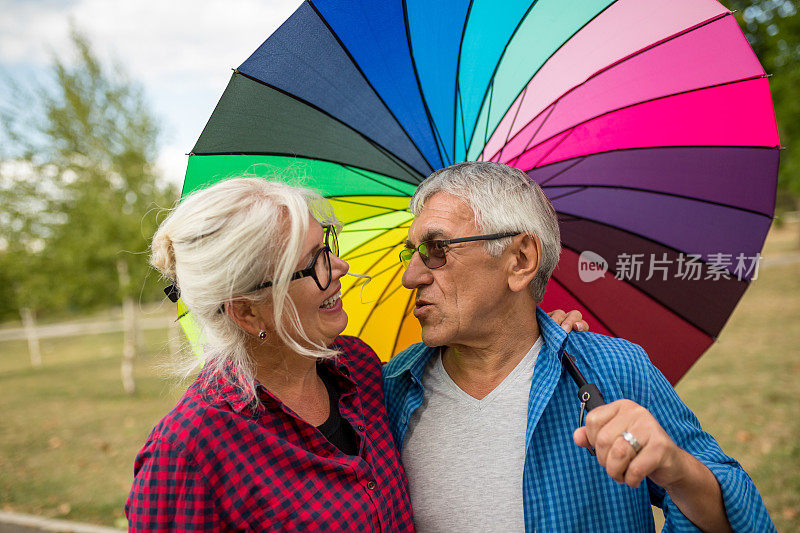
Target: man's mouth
331 302
420 306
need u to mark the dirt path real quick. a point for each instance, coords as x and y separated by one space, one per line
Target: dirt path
23 523
68 329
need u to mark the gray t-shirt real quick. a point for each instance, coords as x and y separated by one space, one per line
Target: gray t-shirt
464 457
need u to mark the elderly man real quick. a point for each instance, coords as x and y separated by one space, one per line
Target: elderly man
485 415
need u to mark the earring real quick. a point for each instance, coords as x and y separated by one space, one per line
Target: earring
262 334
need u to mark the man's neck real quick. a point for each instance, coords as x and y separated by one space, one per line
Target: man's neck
478 369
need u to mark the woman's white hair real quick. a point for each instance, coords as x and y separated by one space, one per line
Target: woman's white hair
504 199
221 242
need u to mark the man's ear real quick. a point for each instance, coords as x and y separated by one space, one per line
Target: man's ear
243 313
526 254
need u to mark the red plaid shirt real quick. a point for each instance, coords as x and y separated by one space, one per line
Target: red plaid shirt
216 463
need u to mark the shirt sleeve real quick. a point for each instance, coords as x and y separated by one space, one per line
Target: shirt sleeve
743 504
169 492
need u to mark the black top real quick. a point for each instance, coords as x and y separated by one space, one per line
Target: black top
336 429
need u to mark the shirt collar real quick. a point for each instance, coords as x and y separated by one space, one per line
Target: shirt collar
552 334
415 358
224 387
413 361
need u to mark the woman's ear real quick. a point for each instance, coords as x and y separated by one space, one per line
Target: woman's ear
243 313
525 259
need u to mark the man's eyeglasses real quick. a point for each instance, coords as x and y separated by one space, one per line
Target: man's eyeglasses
433 252
319 270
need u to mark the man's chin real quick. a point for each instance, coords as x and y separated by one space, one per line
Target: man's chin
432 339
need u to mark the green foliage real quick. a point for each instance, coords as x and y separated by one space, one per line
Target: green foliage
773 29
82 191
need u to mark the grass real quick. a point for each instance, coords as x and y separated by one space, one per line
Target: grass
69 434
745 390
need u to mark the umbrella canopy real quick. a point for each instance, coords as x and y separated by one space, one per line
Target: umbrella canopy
648 123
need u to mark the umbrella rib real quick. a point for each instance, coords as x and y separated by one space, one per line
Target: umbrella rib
663 97
431 123
361 172
585 186
388 249
649 295
585 306
397 335
370 217
490 92
343 199
608 67
578 160
391 293
660 147
358 170
386 210
513 121
569 217
457 85
551 107
616 63
397 160
494 72
358 67
549 151
460 111
499 62
348 257
374 229
380 301
346 292
580 188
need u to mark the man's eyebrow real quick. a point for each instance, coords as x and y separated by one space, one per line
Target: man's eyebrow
429 235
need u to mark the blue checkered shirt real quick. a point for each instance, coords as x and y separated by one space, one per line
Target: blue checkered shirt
564 487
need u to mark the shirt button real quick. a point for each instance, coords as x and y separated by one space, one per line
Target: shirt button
361 427
371 485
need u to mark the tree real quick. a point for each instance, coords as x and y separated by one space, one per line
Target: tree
87 196
773 29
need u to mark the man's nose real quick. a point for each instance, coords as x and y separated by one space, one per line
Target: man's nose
416 273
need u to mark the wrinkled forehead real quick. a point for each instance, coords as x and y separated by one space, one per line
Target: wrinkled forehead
443 216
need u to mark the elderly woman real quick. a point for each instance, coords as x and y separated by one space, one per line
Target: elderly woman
284 428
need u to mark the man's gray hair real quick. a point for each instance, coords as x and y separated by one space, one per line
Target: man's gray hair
504 199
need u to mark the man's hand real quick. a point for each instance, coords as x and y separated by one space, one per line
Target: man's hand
659 458
569 321
691 485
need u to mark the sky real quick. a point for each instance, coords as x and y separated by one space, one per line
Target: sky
181 51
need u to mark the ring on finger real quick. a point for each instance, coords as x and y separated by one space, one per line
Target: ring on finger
632 441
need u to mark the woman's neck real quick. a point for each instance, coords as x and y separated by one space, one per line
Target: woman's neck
293 379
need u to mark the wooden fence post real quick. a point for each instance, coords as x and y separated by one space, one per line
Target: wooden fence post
29 323
129 329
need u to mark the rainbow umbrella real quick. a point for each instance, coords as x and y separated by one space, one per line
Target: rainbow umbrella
648 123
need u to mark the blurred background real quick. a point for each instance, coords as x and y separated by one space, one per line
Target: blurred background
100 102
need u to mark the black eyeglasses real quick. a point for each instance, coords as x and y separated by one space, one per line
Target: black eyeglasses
319 271
322 278
433 252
